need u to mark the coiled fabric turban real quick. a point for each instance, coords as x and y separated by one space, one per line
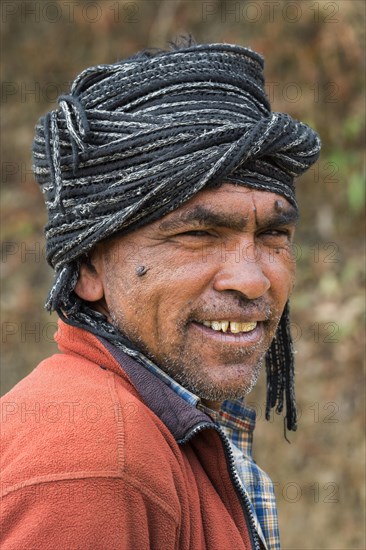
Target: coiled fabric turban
136 139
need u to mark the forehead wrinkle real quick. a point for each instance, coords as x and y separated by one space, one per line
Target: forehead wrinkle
202 216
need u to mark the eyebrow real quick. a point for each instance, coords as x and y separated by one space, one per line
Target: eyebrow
200 216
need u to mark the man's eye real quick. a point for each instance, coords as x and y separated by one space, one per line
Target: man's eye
276 233
195 233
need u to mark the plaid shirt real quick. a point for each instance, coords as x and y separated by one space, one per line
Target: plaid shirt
238 423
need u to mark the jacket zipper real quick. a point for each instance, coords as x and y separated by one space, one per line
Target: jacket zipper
244 500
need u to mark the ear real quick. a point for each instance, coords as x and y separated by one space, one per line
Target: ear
89 286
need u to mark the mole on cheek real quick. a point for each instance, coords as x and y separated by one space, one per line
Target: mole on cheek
141 270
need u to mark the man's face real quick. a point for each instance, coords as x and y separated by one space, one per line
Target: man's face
221 261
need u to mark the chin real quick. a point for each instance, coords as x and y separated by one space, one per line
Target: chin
222 388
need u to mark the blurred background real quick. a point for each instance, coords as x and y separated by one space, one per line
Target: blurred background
314 55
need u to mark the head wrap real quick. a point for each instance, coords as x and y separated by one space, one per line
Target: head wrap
136 139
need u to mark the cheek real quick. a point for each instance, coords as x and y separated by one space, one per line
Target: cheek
121 289
174 289
182 271
146 301
169 290
280 269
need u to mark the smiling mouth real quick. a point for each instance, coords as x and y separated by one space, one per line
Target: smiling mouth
232 327
231 332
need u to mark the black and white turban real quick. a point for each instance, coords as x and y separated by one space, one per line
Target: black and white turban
135 140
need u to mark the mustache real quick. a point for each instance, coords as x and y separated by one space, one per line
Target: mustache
230 306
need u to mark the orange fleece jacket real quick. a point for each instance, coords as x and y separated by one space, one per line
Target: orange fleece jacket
86 464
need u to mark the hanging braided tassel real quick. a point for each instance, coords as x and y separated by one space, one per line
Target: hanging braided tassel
281 373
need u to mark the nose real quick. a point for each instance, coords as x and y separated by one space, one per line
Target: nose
241 270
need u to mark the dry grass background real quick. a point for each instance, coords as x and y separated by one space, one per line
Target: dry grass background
314 70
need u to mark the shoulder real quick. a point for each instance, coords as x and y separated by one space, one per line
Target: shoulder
64 390
71 417
55 416
76 469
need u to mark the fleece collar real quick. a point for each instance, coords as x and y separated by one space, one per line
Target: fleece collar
179 416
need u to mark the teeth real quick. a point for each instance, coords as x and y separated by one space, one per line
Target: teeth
234 326
242 327
224 325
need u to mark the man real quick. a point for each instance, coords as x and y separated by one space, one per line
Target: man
169 189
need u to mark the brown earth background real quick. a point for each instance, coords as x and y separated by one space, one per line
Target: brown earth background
314 54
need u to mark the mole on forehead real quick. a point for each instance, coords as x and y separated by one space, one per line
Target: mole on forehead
279 207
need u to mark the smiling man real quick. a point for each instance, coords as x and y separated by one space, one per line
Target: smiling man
169 188
219 271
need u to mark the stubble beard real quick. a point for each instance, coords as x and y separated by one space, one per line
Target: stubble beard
183 367
200 384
